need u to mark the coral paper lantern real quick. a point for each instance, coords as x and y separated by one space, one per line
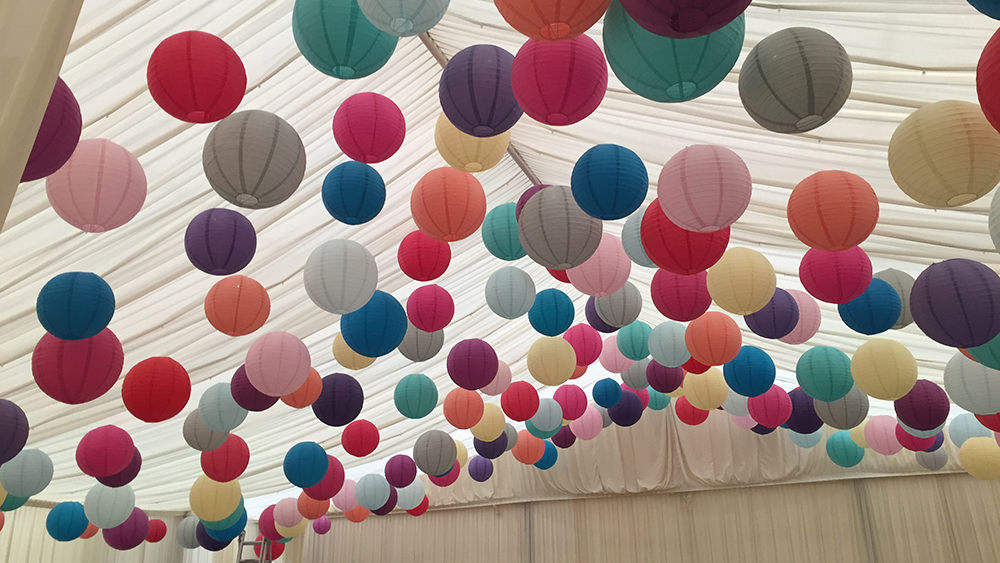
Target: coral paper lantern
684 18
353 193
430 308
472 364
678 250
277 363
104 451
423 258
678 297
237 305
772 409
884 369
550 20
704 188
835 277
957 303
468 153
307 393
520 401
77 371
228 461
528 449
713 338
338 40
475 91
556 232
360 438
605 272
311 508
742 281
833 210
57 136
559 82
156 389
369 127
220 242
448 204
809 318
196 77
463 408
609 182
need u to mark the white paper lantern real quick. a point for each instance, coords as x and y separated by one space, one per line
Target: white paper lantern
410 496
635 375
108 507
404 18
666 344
340 276
806 440
435 452
187 533
632 241
972 386
218 410
372 491
549 415
933 461
965 426
736 404
27 473
510 292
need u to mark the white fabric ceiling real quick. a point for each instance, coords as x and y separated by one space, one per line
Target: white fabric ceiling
905 53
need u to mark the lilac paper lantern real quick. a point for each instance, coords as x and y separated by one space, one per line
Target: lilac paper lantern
938 442
924 407
389 505
595 320
130 533
662 378
475 91
207 541
322 525
13 430
340 401
628 410
125 476
493 449
220 242
525 196
777 319
246 395
564 438
57 136
957 303
804 419
400 470
480 469
472 364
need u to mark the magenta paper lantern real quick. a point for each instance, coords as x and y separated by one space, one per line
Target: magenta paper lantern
683 19
246 395
836 277
589 425
344 499
266 524
605 272
322 525
704 188
572 399
448 478
130 533
880 433
586 342
369 127
57 136
101 187
500 382
559 82
611 357
400 470
662 378
678 297
277 363
809 318
430 308
924 407
77 371
772 409
472 364
104 451
913 443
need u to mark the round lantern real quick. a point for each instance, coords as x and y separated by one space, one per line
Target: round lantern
880 433
321 526
27 473
404 19
620 308
713 338
549 456
911 442
306 464
750 373
667 69
551 313
411 496
555 232
448 204
199 436
924 407
522 200
347 357
500 233
586 343
463 408
58 134
213 501
611 357
75 305
310 508
157 531
824 373
420 346
633 340
548 418
597 323
933 460
206 541
187 532
107 507
845 413
492 449
77 371
415 396
430 308
777 319
632 241
884 369
472 364
704 188
607 393
338 40
340 276
219 410
635 376
736 405
551 21
987 7
742 281
843 451
254 159
228 461
605 272
475 91
627 411
277 363
572 400
101 187
104 451
677 250
129 534
609 181
688 414
667 346
529 449
435 452
360 438
874 311
66 521
835 277
196 77
369 128
510 292
927 167
237 305
465 152
400 470
833 210
559 82
706 391
372 491
955 302
331 483
658 401
694 366
662 378
340 401
588 425
804 419
127 475
377 328
972 386
286 513
421 257
987 354
795 80
156 389
480 469
965 426
902 283
684 19
678 297
809 318
353 192
519 401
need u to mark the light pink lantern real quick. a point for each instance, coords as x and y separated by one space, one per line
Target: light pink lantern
430 308
286 513
100 188
500 382
589 425
772 409
605 272
809 318
704 188
586 342
746 421
880 433
611 357
344 500
277 364
572 399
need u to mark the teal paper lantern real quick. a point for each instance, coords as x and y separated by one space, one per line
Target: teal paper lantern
552 312
549 458
75 305
66 521
500 233
874 311
987 354
537 433
751 373
664 69
658 401
415 396
11 502
337 38
305 464
353 193
377 328
824 373
633 340
842 449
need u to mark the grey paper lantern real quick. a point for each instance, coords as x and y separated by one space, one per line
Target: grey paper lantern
635 375
972 386
254 159
511 433
201 437
340 276
27 474
736 404
548 417
510 292
621 307
666 344
219 410
555 232
420 346
846 412
795 80
107 507
187 533
435 453
372 491
933 461
902 283
404 18
632 241
410 496
605 417
994 221
965 426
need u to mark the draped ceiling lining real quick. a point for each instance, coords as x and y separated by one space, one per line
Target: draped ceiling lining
905 53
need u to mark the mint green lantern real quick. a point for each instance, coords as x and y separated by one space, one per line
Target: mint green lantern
633 340
842 449
500 233
658 401
664 69
337 38
415 396
824 373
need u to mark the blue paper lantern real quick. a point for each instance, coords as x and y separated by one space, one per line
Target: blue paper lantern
66 521
230 533
842 449
305 464
552 312
338 40
353 192
627 411
633 340
609 182
824 373
377 328
874 311
500 233
75 305
607 392
750 373
989 8
549 458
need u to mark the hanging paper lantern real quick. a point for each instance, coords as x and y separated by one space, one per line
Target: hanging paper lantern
824 373
360 438
772 408
736 405
228 461
559 82
795 80
586 343
510 292
77 371
713 338
605 272
597 323
632 241
463 408
902 283
430 308
373 491
955 303
742 281
66 521
751 372
480 469
465 152
572 400
549 416
609 182
519 401
806 440
500 233
987 354
237 305
845 413
884 369
500 382
472 364
277 363
75 305
551 21
156 389
835 277
449 478
522 200
127 475
188 528
404 19
377 328
986 71
369 128
549 457
611 357
980 457
880 433
681 19
551 313
662 378
704 188
677 250
833 210
694 366
475 91
843 451
688 414
104 451
911 442
435 452
58 134
412 497
254 159
129 534
667 346
804 419
706 391
400 470
658 401
633 340
420 346
972 386
306 464
588 425
206 541
107 507
628 410
340 276
220 242
421 257
196 77
777 319
212 501
555 232
965 426
493 449
607 393
529 449
448 204
491 424
27 473
199 436
338 40
809 318
620 308
330 484
874 311
341 400
219 410
157 531
347 357
415 396
666 69
551 360
353 192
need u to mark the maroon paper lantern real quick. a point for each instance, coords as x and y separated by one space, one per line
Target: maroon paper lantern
390 503
564 438
836 277
125 476
57 135
360 438
682 19
472 364
369 127
678 297
77 371
246 395
196 77
156 389
104 451
523 199
430 308
400 470
924 407
331 482
662 378
422 258
675 249
228 461
559 82
776 319
957 303
130 533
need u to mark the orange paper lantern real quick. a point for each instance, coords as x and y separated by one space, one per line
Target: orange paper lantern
237 305
307 394
550 20
528 449
578 372
448 204
713 338
833 210
90 532
463 408
311 508
357 514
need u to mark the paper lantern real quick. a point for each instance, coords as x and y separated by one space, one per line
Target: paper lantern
377 328
522 200
750 373
771 409
196 77
368 128
551 312
611 357
986 71
925 165
627 411
924 407
845 413
880 433
228 461
286 513
972 386
835 277
933 460
448 204
658 401
107 507
809 318
66 521
357 514
662 378
420 346
991 421
912 443
586 343
874 311
347 357
666 69
806 440
987 354
597 323
745 422
677 250
633 340
795 80
954 302
129 534
412 496
549 456
360 438
219 410
519 401
321 526
510 292
211 500
338 40
736 405
187 532
632 241
902 283
475 91
415 396
157 531
803 419
353 192
843 451
400 470
667 346
156 389
559 82
572 401
551 21
435 452
706 391
694 366
77 371
389 505
237 305
340 276
465 152
125 476
75 305
777 319
199 436
340 401
824 373
422 258
58 134
27 473
490 425
449 478
500 233
605 272
682 19
713 338
480 469
635 376
344 500
472 364
104 451
254 159
833 210
588 425
463 408
221 242
528 449
404 19
609 182
555 232
688 414
492 449
742 281
621 308
206 541
986 7
331 483
884 369
430 308
267 526
679 297
965 426
607 393
305 464
704 188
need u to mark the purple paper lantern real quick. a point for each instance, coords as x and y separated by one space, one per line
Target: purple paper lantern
664 379
13 430
777 319
525 196
804 419
340 401
389 504
683 19
493 449
762 430
400 470
480 469
957 303
322 525
207 541
130 533
472 364
628 410
125 476
475 91
938 442
595 320
57 136
925 407
220 242
564 438
246 395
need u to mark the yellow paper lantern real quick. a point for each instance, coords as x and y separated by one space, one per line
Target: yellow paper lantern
945 154
293 531
706 391
213 501
551 360
742 281
884 369
468 153
349 358
462 453
491 425
980 457
858 434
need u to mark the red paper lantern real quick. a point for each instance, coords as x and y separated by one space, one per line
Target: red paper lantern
277 548
688 414
520 401
156 389
573 401
694 366
331 483
448 204
420 509
551 19
369 127
678 297
228 461
104 451
586 342
196 77
772 409
77 371
463 408
430 308
676 250
157 530
360 438
835 277
559 82
448 478
422 258
988 80
560 275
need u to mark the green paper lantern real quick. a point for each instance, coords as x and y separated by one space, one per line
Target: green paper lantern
842 449
987 354
337 38
664 69
824 373
633 340
415 396
658 401
500 233
534 431
11 502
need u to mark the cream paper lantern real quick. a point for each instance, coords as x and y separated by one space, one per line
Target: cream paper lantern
551 360
706 391
465 152
213 501
347 357
980 457
491 425
884 369
742 281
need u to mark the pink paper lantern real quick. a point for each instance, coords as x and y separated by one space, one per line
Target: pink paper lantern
911 442
586 342
369 127
322 525
572 399
611 357
500 382
809 318
448 478
588 425
772 409
101 187
277 364
77 371
344 499
880 433
678 297
836 277
704 188
605 272
747 422
430 308
286 513
559 82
